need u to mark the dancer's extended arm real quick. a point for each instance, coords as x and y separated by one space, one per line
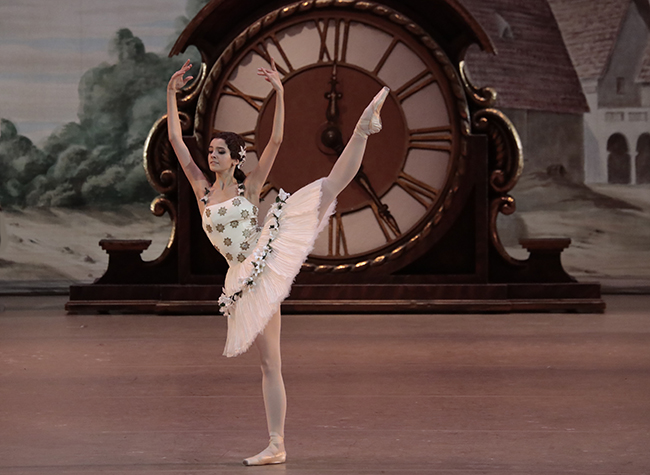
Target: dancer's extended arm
256 178
193 173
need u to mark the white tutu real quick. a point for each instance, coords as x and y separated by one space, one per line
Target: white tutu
297 228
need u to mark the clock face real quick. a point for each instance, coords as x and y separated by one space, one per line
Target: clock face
333 62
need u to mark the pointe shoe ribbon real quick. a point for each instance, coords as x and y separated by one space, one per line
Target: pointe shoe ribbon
370 122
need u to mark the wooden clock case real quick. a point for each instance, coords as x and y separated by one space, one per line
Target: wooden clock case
456 264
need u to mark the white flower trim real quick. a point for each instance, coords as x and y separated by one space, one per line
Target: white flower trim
259 262
205 196
242 156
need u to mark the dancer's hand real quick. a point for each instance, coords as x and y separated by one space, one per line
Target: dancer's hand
370 122
272 76
177 81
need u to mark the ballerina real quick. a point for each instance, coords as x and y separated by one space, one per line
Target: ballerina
265 256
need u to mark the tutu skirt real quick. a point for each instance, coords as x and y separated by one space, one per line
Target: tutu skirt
289 232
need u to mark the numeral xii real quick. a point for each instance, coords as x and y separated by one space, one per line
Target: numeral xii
341 35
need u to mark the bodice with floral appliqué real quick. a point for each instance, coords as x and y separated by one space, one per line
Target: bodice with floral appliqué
233 228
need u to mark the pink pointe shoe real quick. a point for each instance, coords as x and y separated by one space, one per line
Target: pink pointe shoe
273 454
370 122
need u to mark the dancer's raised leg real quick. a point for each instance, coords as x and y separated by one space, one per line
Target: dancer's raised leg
275 398
348 163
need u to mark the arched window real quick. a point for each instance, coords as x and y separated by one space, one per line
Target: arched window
643 159
619 163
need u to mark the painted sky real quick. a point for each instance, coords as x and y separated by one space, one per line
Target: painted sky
46 45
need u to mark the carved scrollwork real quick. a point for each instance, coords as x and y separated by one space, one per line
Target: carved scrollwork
191 93
160 169
505 165
160 206
506 205
159 159
505 154
482 97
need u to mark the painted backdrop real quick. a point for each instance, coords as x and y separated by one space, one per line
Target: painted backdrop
81 83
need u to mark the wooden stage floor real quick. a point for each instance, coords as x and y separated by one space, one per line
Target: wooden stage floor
368 394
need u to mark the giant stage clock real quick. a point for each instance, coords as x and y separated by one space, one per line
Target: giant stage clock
333 61
416 230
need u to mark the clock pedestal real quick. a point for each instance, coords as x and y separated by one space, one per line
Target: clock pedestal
447 258
462 273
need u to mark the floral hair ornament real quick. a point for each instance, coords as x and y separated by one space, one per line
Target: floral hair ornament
242 156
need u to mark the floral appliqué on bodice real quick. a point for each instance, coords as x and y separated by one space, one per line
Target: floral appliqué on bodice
233 228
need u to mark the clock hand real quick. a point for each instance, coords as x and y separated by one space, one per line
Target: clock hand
362 179
333 95
332 138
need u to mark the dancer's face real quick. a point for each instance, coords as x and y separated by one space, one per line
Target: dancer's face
219 158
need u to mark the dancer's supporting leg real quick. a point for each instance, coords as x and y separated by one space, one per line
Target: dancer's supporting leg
275 398
348 163
268 342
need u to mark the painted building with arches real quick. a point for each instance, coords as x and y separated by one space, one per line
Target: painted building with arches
536 82
609 44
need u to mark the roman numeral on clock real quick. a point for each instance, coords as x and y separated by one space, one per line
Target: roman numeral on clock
385 56
262 48
254 101
414 85
387 225
268 186
337 245
431 138
249 139
425 194
341 35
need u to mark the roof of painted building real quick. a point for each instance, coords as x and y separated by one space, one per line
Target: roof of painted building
590 29
533 69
